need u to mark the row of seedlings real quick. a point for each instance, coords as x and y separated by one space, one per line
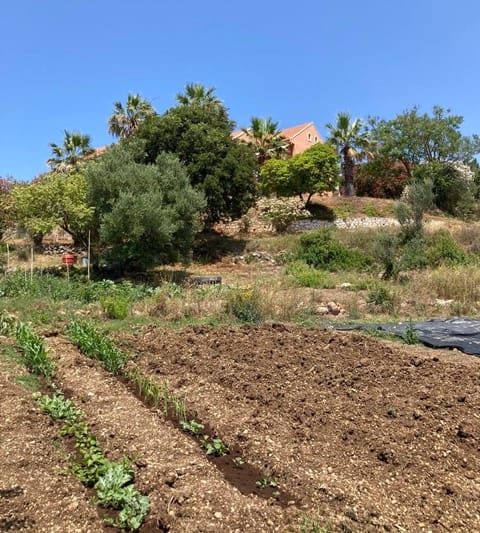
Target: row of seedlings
91 343
112 482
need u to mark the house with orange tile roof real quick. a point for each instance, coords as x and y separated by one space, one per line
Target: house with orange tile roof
299 138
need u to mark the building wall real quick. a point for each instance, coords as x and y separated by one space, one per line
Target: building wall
305 140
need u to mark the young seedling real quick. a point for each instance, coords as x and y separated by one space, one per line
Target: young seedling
214 447
266 482
193 427
238 461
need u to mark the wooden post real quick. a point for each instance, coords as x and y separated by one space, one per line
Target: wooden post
88 257
31 263
8 258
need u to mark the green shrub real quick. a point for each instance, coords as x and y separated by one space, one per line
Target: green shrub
244 304
281 212
381 299
302 275
115 307
321 250
442 249
413 254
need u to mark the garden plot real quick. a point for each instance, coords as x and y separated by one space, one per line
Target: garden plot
186 491
366 434
35 493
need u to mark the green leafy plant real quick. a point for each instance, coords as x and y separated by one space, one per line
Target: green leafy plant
238 461
214 446
59 408
113 482
94 345
34 353
193 427
442 249
410 335
302 275
266 482
115 307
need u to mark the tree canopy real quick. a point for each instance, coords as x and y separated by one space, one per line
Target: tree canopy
145 214
266 139
414 138
352 140
198 131
313 171
55 199
125 120
66 157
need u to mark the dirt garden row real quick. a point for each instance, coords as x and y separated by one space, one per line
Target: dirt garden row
361 434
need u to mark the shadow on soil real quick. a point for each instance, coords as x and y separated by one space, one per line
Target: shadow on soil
212 246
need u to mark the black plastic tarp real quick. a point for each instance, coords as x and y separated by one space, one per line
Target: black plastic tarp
459 332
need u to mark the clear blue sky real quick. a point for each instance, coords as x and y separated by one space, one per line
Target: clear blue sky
64 63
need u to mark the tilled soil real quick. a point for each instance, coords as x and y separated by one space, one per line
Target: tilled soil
367 435
187 492
35 493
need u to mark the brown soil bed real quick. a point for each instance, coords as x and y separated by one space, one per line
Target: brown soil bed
36 494
368 435
187 492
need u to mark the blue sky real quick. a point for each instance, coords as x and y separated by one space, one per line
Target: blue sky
64 63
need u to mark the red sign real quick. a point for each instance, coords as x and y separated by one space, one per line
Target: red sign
68 259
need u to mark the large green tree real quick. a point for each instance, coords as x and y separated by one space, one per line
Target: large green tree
351 138
414 138
431 146
67 156
198 131
145 214
313 171
54 199
266 139
6 186
125 120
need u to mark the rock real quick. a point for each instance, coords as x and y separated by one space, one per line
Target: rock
322 310
442 302
345 285
334 308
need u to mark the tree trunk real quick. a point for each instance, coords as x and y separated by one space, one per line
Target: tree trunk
348 169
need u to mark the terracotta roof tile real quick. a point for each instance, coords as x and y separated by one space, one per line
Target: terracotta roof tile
295 130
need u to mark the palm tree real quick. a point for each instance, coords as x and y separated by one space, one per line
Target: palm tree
352 140
266 138
66 157
125 120
196 93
